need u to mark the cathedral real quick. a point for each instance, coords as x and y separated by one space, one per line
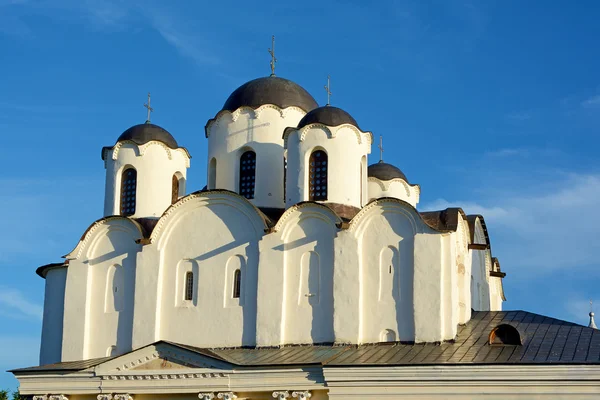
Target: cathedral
298 271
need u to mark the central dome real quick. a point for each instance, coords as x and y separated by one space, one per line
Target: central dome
270 90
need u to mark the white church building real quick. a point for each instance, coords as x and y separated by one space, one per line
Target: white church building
299 271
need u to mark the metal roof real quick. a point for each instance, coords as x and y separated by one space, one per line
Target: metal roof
544 340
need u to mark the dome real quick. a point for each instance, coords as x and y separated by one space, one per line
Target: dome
143 133
327 115
385 172
270 90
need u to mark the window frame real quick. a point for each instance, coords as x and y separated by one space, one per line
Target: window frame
127 211
247 177
312 164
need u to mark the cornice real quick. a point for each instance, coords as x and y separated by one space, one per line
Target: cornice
330 131
113 152
255 112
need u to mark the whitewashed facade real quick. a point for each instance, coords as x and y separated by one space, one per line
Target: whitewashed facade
264 266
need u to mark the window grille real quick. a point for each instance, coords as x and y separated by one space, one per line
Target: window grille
189 285
247 174
318 176
128 191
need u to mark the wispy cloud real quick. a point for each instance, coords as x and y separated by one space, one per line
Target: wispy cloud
188 44
592 102
15 301
18 351
549 229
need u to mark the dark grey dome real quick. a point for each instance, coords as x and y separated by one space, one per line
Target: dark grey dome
143 133
385 172
270 90
327 115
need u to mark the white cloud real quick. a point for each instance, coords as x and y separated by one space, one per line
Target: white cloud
550 229
15 302
592 102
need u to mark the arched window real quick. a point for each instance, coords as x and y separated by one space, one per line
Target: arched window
237 284
175 189
212 174
128 189
189 285
247 174
318 175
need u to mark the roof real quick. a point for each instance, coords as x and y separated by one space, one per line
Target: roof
270 90
143 133
544 340
443 220
385 172
327 115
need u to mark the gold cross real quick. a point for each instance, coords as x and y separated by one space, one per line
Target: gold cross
150 109
328 89
272 53
380 148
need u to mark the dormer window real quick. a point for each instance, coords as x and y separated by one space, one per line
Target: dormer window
318 175
505 334
128 191
247 174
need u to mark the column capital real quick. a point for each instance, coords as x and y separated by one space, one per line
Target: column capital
57 397
281 395
226 395
123 396
104 397
302 395
41 397
206 396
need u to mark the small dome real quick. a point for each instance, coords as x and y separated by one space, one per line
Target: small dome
143 133
385 172
327 115
270 90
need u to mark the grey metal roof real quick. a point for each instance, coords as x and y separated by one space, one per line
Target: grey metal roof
143 133
270 90
67 366
545 340
327 115
385 172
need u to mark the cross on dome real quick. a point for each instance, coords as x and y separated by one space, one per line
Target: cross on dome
150 109
272 53
328 89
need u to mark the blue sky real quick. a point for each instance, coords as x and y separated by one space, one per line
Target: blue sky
493 106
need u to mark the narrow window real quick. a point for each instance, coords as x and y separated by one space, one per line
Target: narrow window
189 285
212 174
318 175
247 174
128 189
175 190
284 177
237 282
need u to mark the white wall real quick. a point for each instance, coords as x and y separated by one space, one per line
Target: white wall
345 147
52 326
209 234
397 188
260 130
92 324
155 164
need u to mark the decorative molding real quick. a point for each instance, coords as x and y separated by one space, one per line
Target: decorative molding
124 396
206 396
255 112
355 223
42 397
104 397
331 133
216 196
169 376
227 395
385 185
58 397
293 209
282 395
302 395
78 250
